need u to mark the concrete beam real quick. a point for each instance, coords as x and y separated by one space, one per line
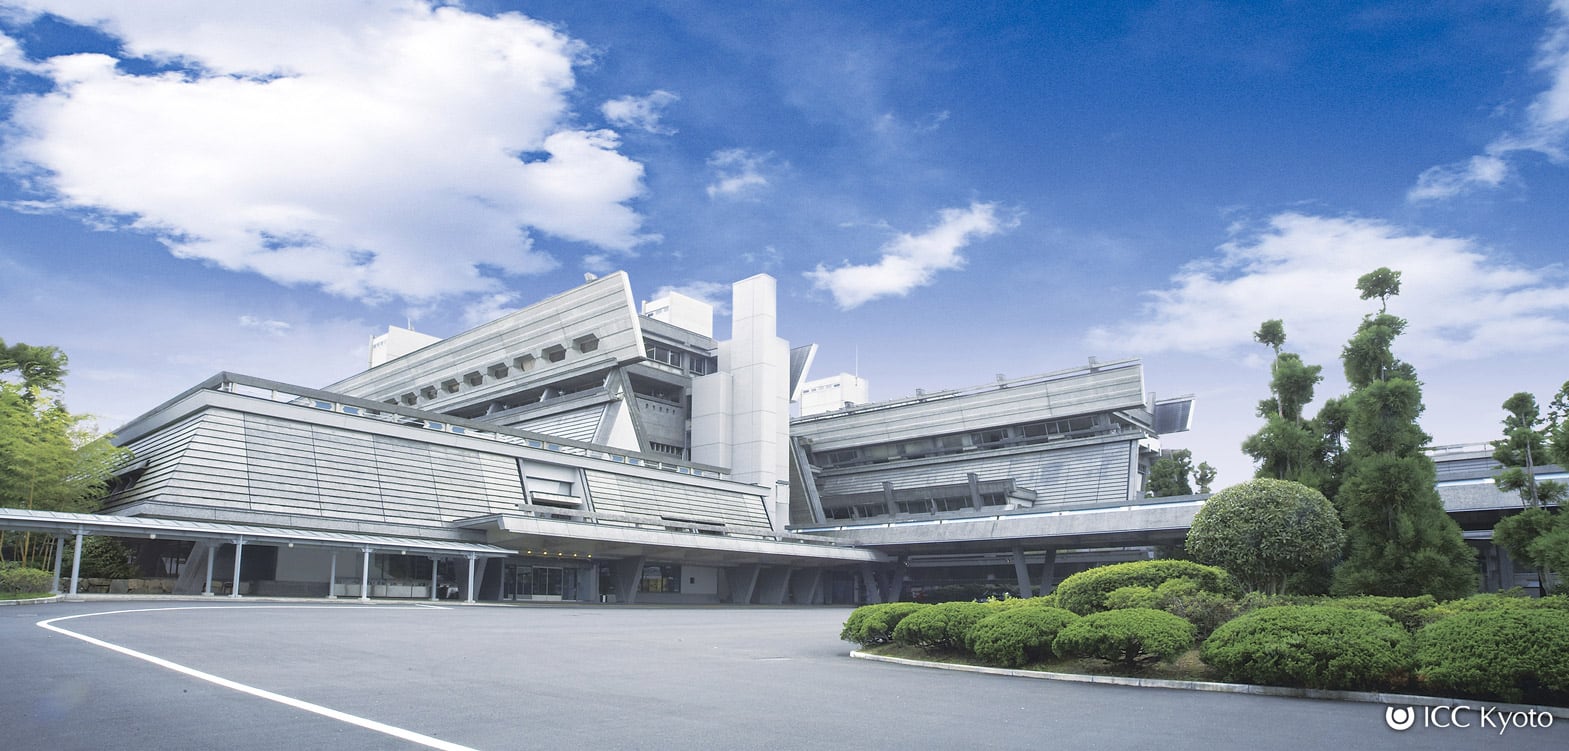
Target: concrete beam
806 585
772 585
743 582
1022 571
627 573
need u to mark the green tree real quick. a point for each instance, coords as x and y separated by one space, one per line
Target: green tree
50 459
1169 474
1400 540
1204 476
1264 531
1289 446
1536 536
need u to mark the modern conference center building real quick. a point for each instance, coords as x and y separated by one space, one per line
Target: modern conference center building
584 448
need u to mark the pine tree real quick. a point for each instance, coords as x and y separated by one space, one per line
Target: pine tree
1525 445
1290 447
1400 540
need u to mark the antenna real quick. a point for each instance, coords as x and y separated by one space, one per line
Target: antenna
858 361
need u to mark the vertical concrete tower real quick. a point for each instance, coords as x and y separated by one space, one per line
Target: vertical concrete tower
741 414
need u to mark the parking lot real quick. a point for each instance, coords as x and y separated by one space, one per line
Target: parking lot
251 675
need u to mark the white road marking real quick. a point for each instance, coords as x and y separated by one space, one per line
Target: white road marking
432 607
288 701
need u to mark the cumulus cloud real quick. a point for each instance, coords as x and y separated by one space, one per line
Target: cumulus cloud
1463 301
265 325
910 261
489 307
737 174
641 112
11 55
1545 130
374 149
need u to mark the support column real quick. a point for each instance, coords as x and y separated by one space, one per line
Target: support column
59 562
893 508
975 491
1048 571
239 550
804 584
743 582
773 585
434 564
869 577
332 577
76 570
1022 571
365 574
212 552
627 572
469 593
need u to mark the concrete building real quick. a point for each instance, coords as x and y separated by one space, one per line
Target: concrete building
579 450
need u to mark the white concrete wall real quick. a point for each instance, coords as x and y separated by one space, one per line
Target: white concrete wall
759 368
699 580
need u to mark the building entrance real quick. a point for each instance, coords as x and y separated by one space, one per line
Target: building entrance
521 581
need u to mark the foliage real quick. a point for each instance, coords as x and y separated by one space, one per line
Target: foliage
106 558
1205 610
1519 535
1085 592
1135 596
961 592
40 368
1400 540
1204 476
943 626
1018 636
24 580
1010 603
1263 531
1406 611
1525 445
1311 646
1169 474
874 624
1510 600
1509 654
1289 446
1125 636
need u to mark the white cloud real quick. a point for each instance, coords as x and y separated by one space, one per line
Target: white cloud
642 112
1545 130
489 307
1461 299
911 261
716 294
11 55
374 149
265 325
738 174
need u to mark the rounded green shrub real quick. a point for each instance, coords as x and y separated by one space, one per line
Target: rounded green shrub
1018 636
874 624
1494 601
1312 646
1085 592
1407 611
1125 636
1205 610
1009 603
940 627
1265 531
20 580
1123 598
1507 654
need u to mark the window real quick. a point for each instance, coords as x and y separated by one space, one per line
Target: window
554 353
666 355
524 363
429 392
701 365
475 378
410 398
499 370
450 385
660 577
586 344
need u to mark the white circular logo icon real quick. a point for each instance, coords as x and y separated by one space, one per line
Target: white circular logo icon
1399 718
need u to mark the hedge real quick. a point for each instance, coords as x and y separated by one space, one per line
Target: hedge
943 626
1085 592
1125 636
1019 635
1407 611
1312 646
19 580
1510 654
1497 601
874 624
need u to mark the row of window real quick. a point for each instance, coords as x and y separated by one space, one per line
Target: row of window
916 506
691 362
522 363
992 438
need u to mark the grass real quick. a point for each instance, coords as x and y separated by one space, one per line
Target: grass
1186 667
23 595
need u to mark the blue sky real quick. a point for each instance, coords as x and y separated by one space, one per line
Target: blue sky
945 191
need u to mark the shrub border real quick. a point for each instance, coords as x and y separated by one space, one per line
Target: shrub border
1369 697
31 601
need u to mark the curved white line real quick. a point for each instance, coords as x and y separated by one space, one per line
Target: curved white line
288 701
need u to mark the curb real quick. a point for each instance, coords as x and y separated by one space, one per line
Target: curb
33 601
1369 697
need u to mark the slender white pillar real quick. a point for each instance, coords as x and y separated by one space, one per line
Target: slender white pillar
365 577
76 570
59 562
212 553
433 579
332 578
239 550
470 591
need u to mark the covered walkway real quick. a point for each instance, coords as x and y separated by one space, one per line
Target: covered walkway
63 524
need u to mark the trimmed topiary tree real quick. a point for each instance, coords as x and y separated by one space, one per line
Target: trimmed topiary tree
1509 654
1264 531
1085 592
941 626
1126 636
1312 646
1018 636
874 624
1205 610
1123 598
